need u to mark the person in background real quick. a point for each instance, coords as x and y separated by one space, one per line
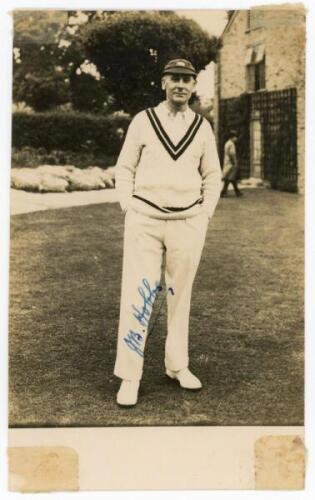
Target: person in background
230 173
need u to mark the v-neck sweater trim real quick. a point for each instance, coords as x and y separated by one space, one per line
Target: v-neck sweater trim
145 168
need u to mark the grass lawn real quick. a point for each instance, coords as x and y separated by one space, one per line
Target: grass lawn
246 340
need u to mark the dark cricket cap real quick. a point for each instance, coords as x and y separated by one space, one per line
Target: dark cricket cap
179 66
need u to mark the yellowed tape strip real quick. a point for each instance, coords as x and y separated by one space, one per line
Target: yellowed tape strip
41 468
279 463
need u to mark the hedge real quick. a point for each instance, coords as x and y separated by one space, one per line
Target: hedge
68 131
34 157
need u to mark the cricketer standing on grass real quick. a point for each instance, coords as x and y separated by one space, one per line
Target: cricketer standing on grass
169 181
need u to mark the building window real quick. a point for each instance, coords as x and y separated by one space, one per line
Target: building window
255 68
255 19
248 20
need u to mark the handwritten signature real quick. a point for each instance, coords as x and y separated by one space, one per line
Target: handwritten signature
133 340
143 313
148 295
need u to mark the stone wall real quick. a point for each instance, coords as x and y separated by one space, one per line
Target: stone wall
232 58
282 31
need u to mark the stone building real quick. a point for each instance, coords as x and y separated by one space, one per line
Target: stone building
260 91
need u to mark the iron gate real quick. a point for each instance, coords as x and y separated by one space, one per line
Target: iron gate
277 114
234 113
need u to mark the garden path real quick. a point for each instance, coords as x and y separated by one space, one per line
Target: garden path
23 202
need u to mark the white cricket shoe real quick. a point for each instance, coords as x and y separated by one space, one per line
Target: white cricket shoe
185 378
128 393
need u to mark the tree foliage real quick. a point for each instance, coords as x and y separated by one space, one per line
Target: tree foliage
131 48
37 79
127 49
47 63
43 92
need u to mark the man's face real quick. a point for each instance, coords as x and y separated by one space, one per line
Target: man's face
178 88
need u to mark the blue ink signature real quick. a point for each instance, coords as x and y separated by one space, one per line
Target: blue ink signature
133 340
148 294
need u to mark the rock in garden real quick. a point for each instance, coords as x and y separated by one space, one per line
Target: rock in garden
60 178
25 178
106 175
84 180
56 170
52 184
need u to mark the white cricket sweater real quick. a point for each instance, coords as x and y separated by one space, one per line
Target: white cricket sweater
171 162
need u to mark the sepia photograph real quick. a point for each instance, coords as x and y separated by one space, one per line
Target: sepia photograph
101 108
157 218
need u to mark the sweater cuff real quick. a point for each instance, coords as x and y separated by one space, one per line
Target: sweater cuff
125 203
208 209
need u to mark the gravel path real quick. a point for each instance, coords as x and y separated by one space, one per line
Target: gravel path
23 202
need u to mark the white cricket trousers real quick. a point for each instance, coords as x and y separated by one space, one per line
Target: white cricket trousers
145 240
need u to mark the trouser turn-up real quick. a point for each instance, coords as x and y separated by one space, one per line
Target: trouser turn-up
145 241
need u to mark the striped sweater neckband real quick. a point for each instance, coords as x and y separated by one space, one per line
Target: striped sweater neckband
175 151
